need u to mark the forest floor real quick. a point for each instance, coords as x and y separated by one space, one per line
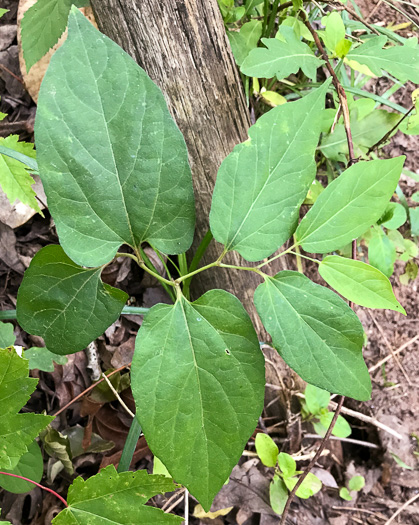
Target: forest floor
97 428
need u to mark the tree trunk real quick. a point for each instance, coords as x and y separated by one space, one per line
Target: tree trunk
183 47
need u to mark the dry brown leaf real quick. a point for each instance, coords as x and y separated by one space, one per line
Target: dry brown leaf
34 78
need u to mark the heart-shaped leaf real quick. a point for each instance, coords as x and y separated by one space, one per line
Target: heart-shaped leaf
66 304
113 163
198 383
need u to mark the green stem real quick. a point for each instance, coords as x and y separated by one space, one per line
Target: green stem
129 447
272 18
191 274
299 254
261 265
202 248
254 269
265 16
127 310
149 267
183 264
298 257
130 255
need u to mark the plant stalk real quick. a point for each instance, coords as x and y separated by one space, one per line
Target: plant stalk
312 462
38 485
129 446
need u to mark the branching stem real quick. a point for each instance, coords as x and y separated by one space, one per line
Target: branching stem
339 88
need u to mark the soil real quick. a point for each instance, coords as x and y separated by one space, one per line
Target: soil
394 400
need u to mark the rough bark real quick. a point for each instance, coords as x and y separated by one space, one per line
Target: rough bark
183 47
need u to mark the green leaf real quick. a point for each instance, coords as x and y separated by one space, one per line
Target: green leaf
15 180
399 461
349 205
278 495
382 254
272 98
42 26
3 11
287 465
310 486
245 40
400 61
394 216
266 449
42 359
299 28
21 157
117 499
343 47
30 465
17 431
281 58
415 196
410 273
344 494
116 170
316 399
334 32
7 337
356 483
159 468
198 383
359 282
315 332
341 429
410 248
66 304
414 220
365 133
262 183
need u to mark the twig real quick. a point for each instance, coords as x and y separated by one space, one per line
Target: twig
118 397
354 14
369 17
166 507
386 341
405 345
37 484
12 74
339 88
312 462
186 507
362 417
172 497
345 440
91 387
401 509
346 120
358 509
367 419
388 134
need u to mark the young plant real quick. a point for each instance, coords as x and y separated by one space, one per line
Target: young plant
314 408
356 483
115 172
285 474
